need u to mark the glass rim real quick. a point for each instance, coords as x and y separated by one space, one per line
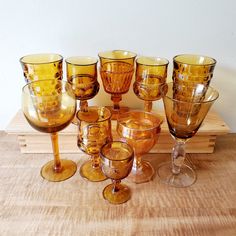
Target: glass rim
191 102
44 80
118 50
154 64
94 60
95 107
123 159
195 55
60 58
144 112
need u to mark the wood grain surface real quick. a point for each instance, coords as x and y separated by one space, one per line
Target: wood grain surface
30 205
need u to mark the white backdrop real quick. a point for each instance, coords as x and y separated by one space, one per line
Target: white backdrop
150 27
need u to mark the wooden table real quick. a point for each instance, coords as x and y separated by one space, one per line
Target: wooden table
30 205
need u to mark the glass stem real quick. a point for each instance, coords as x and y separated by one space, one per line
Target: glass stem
95 161
83 105
115 185
147 106
57 163
137 162
116 99
178 156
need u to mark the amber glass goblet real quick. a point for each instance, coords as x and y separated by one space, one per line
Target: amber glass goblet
49 106
42 66
82 74
184 117
94 130
139 129
117 160
116 70
151 73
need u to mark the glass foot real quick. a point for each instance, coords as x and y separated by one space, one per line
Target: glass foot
116 112
68 170
143 174
121 195
91 173
185 178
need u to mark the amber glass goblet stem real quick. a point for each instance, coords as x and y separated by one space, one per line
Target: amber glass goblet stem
116 99
178 156
116 184
95 159
57 163
137 161
83 105
148 106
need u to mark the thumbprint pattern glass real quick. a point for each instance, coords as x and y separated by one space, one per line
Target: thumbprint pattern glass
184 117
151 73
49 106
116 70
117 160
141 130
42 67
82 74
94 130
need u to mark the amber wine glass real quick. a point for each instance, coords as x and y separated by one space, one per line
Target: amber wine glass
151 73
42 66
117 160
116 70
94 130
184 117
141 130
49 106
82 74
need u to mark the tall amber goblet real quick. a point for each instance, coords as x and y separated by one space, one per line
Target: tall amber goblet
82 74
141 130
42 66
184 117
117 160
151 73
116 70
49 106
94 130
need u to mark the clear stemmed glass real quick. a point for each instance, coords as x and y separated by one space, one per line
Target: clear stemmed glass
117 160
184 116
116 70
151 73
82 74
49 106
94 130
42 66
139 129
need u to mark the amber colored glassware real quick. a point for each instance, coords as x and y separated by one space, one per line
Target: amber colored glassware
82 74
151 73
49 106
141 130
42 66
184 117
117 160
116 70
94 130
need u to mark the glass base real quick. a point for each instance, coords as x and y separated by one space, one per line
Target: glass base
185 178
68 170
91 173
123 194
143 174
115 112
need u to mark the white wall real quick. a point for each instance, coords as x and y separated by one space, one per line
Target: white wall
85 27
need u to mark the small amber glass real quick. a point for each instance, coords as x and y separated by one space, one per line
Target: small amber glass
117 160
94 130
82 74
151 73
42 66
184 117
49 106
116 70
141 130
